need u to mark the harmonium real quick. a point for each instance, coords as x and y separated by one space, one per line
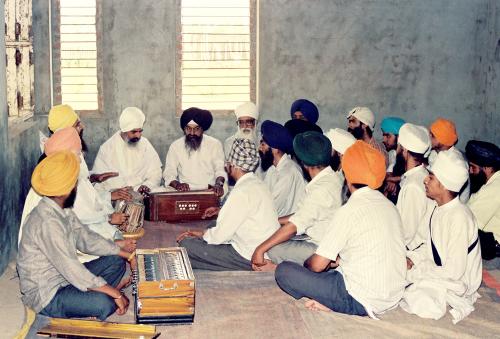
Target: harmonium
179 206
164 286
133 227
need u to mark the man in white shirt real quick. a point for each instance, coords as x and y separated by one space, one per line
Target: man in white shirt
447 269
131 155
246 219
364 243
413 204
284 177
390 130
322 197
196 160
484 173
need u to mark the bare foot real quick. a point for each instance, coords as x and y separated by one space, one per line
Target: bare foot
313 305
268 267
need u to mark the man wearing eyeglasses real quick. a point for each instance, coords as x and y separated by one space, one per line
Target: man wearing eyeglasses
246 120
196 160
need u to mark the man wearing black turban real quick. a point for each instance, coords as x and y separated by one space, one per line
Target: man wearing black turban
196 160
484 165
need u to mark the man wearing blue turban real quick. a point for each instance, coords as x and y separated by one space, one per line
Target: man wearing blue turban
305 110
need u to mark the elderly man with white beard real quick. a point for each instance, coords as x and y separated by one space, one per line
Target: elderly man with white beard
247 117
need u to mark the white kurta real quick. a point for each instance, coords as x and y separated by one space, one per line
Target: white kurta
322 197
366 234
137 164
287 185
455 283
485 204
414 207
392 155
197 168
247 218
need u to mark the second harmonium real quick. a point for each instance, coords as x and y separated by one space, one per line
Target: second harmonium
164 286
179 206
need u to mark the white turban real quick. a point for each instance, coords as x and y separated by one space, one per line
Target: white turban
131 118
248 109
451 170
340 139
363 114
414 138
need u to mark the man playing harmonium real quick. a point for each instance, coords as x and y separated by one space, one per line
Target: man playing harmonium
196 160
52 280
247 218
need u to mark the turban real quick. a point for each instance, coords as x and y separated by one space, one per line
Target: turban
363 164
313 148
244 155
277 136
444 131
248 109
308 109
201 117
340 139
391 125
131 118
451 170
61 116
66 139
414 138
363 114
297 126
482 153
56 175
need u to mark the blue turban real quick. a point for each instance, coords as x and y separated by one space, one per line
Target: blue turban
391 125
307 108
297 126
482 153
277 136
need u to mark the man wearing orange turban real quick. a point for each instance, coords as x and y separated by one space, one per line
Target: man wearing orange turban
364 240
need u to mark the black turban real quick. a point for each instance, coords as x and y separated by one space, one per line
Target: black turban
482 153
297 126
201 116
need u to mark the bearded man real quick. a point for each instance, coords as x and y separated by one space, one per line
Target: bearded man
247 117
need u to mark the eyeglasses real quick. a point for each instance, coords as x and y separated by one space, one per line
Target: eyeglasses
190 129
247 122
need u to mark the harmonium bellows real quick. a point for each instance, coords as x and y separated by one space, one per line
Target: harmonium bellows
179 206
164 286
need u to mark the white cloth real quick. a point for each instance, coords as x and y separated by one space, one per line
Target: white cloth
131 118
457 280
322 197
366 234
392 155
451 170
341 139
485 204
414 207
414 138
199 168
287 185
363 114
136 165
247 109
247 218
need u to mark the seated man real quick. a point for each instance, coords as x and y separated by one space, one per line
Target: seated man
131 155
364 244
298 126
390 130
52 280
484 172
284 177
247 117
312 217
195 161
246 219
413 205
447 269
304 109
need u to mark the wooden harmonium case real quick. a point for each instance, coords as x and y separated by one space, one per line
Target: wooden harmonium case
179 206
164 286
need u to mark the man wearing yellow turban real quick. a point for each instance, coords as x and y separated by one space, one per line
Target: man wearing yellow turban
53 282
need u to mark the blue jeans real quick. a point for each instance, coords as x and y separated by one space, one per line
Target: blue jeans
327 288
70 302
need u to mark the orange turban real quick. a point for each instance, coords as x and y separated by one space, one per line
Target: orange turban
64 139
56 175
363 164
444 131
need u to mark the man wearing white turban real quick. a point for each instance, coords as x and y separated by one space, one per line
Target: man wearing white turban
131 155
247 117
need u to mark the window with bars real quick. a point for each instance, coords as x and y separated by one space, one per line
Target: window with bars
216 54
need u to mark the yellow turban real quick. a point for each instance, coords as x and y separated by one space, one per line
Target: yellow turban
363 164
61 116
56 175
444 131
66 139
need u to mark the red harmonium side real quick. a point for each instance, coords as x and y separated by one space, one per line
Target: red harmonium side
179 206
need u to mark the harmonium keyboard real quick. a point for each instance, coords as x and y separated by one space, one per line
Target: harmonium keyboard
164 286
179 206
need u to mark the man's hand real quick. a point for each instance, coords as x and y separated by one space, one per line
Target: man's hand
218 190
133 263
179 187
390 187
144 190
257 259
117 218
121 194
268 266
409 263
122 304
210 212
189 234
102 177
128 245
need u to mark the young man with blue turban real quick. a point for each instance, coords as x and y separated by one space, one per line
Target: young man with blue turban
304 109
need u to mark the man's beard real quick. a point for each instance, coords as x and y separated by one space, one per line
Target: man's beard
477 181
357 132
266 159
335 161
305 173
133 141
246 133
192 142
400 165
84 144
70 201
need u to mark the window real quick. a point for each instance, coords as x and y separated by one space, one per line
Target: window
75 49
216 56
